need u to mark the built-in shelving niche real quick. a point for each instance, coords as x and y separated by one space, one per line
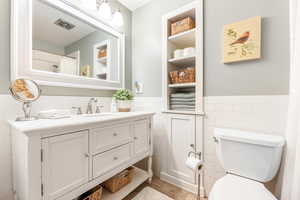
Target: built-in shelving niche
189 38
101 66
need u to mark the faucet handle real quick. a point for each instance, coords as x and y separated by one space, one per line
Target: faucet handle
98 109
79 110
94 99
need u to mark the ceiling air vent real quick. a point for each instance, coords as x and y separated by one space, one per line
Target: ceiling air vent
64 24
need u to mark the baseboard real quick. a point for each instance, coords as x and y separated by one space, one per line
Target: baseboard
182 184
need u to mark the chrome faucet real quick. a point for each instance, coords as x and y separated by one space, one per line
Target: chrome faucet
89 109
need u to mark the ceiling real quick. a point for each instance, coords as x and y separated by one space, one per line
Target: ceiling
134 4
45 30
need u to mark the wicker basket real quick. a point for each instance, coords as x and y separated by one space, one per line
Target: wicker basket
183 76
182 25
102 53
119 181
94 194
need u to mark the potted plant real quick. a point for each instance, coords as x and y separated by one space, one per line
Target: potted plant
123 99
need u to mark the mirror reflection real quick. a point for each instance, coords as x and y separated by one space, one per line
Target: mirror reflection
63 44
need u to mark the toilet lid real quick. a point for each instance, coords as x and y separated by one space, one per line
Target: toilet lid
232 187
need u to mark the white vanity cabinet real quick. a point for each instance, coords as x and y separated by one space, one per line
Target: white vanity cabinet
61 159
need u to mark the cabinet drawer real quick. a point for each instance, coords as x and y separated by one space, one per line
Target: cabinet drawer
109 160
103 139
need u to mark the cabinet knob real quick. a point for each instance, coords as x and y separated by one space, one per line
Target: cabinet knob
192 146
135 138
115 158
87 155
115 134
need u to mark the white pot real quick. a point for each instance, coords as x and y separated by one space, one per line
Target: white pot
124 106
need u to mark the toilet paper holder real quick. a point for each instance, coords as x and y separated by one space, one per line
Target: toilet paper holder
195 153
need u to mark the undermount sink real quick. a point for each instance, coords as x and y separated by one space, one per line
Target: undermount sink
99 115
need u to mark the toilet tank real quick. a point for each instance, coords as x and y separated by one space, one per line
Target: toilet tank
249 154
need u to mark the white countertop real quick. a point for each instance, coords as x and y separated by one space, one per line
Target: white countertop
73 123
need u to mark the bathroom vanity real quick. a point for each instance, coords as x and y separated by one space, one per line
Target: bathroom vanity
61 159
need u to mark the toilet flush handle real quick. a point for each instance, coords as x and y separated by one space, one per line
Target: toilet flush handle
215 140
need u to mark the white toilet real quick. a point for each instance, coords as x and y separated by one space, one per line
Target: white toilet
249 160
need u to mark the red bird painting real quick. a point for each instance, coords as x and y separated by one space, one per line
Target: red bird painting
241 40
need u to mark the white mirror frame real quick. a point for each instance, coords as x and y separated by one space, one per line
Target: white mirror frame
21 48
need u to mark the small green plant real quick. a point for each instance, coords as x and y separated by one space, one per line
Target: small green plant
123 95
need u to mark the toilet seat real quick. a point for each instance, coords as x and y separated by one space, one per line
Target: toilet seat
232 187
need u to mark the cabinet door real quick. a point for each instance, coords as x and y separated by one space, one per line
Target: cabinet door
141 131
181 134
65 163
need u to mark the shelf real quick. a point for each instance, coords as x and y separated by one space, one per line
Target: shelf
185 39
184 112
102 60
180 112
182 85
188 60
139 177
101 74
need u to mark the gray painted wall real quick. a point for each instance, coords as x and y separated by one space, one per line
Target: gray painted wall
267 76
5 55
4 45
86 48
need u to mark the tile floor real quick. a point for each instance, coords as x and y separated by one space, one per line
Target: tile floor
170 190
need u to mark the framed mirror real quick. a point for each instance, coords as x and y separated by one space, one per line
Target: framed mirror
57 44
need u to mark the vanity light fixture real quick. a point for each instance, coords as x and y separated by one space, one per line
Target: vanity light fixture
105 10
117 19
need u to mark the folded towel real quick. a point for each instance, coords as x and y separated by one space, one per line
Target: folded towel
182 107
183 99
184 95
182 103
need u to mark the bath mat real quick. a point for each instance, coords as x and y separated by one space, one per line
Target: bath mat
150 194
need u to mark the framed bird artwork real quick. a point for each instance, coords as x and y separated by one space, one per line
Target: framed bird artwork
242 40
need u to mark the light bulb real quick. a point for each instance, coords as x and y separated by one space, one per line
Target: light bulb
105 10
90 4
118 19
